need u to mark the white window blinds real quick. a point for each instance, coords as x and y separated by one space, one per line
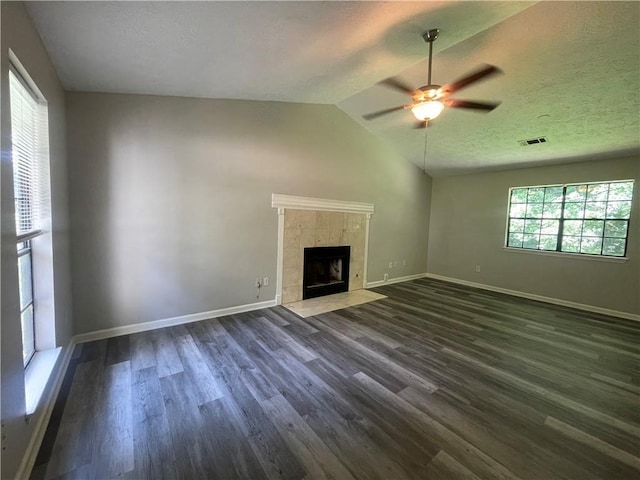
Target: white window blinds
30 154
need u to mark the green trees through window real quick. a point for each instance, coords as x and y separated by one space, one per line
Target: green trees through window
589 218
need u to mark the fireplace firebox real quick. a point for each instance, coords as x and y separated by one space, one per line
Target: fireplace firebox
326 271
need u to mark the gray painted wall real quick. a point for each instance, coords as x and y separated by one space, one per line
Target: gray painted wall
468 221
19 35
171 199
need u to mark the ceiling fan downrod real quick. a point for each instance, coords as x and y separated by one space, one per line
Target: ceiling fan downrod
429 37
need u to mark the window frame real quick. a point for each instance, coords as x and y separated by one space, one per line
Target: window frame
562 219
28 242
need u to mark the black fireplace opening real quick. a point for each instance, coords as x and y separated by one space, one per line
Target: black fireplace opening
326 271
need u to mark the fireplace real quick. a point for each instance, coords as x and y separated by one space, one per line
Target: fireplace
326 271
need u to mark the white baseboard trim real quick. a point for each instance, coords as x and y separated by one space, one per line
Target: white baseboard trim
380 283
169 322
540 298
42 417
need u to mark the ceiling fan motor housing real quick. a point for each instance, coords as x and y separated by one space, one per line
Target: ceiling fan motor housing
428 92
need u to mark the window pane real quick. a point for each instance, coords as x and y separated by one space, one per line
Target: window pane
615 228
593 228
613 246
553 194
25 281
534 210
536 195
593 218
552 210
519 195
591 245
518 210
576 193
550 227
570 244
595 209
28 337
598 192
516 226
618 209
572 227
530 241
532 226
621 191
515 240
548 242
573 210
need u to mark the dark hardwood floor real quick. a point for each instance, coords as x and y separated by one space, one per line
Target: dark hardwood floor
437 381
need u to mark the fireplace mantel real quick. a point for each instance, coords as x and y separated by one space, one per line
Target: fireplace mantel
308 222
319 204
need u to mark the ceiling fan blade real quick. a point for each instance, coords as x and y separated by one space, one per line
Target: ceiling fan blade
486 106
397 84
471 78
379 113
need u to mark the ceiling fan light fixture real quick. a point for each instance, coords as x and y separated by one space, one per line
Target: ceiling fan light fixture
427 102
427 110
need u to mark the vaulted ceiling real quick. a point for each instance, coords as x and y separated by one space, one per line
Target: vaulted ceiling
571 69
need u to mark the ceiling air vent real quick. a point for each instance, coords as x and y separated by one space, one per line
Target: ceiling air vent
532 141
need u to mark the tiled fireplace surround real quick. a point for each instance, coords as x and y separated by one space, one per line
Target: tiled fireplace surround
313 222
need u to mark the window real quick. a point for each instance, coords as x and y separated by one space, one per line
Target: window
587 218
30 158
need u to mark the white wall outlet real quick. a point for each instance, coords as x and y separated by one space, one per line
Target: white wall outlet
395 264
477 268
390 264
386 277
404 263
265 281
258 283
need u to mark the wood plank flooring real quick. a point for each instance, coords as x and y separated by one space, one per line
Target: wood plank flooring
436 381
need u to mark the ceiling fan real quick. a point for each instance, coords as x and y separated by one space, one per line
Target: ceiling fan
430 100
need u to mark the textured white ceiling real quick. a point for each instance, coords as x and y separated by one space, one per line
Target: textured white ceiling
577 62
316 52
571 73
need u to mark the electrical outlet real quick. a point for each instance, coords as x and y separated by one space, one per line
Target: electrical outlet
395 264
477 268
265 281
386 277
258 283
390 264
404 263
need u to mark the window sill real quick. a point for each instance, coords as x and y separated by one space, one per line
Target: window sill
37 376
579 256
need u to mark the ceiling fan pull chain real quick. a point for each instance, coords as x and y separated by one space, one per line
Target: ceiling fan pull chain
426 134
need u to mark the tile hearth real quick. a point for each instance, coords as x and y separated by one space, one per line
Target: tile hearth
329 303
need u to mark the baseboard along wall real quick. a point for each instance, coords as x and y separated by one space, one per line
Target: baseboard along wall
381 283
169 322
540 298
